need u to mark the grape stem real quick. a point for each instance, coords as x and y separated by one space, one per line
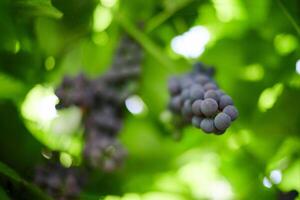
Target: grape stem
289 16
145 42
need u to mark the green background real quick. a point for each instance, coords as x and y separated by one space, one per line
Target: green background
254 46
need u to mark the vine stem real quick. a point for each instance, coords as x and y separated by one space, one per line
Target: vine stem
145 42
289 16
164 15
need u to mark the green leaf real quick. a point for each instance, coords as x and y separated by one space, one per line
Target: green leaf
37 8
10 87
3 194
5 170
19 185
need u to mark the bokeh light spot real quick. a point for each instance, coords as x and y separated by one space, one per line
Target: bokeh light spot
46 154
285 43
276 176
254 72
269 96
267 183
65 159
100 38
135 105
102 18
191 44
108 3
50 63
17 46
39 104
228 10
298 66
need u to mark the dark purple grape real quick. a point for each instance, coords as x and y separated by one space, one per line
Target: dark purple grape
199 67
196 92
212 94
231 111
201 79
196 107
222 121
187 109
185 94
210 86
220 93
290 195
175 104
196 120
207 125
209 107
219 132
211 71
185 82
225 100
174 86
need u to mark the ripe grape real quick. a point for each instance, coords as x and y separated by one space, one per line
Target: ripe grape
186 82
211 94
196 107
207 125
225 100
176 103
222 121
196 120
209 107
210 86
196 92
219 93
185 94
231 111
187 109
174 86
201 79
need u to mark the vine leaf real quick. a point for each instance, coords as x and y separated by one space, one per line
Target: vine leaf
37 8
19 184
289 16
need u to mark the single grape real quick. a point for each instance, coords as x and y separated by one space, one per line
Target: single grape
201 79
231 111
219 93
196 120
186 81
222 121
211 71
196 92
209 107
175 104
174 86
225 100
211 94
187 109
219 132
207 125
196 107
185 94
198 67
210 86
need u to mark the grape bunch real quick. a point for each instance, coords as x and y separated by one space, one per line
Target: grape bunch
59 182
290 195
198 100
101 100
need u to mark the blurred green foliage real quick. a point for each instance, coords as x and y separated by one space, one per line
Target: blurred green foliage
254 46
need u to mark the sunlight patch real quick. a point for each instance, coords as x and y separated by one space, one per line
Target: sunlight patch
191 44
